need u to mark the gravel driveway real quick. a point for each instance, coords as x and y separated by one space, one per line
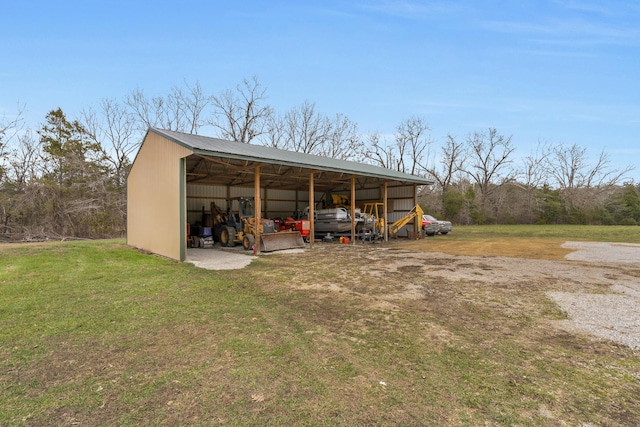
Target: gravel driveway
626 253
614 316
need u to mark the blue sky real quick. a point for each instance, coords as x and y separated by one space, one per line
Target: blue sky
564 71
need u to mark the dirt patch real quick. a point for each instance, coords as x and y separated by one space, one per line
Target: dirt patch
530 248
597 287
597 284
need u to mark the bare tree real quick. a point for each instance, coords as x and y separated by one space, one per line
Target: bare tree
342 140
412 144
571 169
113 127
25 164
181 110
489 154
18 168
9 129
148 112
533 174
379 153
451 163
275 134
195 104
306 130
241 115
584 184
408 151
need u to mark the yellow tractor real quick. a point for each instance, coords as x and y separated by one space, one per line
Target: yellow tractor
240 227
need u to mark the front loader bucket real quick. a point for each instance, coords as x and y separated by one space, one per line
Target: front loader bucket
281 240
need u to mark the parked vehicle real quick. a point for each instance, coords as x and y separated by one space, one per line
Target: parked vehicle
429 228
433 226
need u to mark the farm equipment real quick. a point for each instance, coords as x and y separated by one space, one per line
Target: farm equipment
415 212
374 211
241 228
303 226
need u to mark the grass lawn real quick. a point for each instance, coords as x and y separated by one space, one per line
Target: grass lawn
526 241
97 333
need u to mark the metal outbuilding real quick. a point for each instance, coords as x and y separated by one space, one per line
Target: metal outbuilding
176 177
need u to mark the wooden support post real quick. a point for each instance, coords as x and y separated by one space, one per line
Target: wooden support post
257 207
353 210
312 227
385 208
418 222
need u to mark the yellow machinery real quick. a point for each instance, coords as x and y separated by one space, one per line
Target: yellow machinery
415 212
241 228
375 209
340 200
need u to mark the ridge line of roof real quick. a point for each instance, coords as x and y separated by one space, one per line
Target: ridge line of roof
239 150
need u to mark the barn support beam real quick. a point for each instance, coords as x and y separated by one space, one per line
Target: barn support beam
312 227
353 210
417 226
183 210
385 208
257 208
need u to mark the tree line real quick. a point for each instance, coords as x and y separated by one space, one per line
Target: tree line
68 177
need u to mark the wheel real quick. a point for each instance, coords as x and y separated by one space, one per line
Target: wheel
227 235
443 232
431 234
247 241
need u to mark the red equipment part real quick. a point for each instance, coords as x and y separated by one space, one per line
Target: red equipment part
301 225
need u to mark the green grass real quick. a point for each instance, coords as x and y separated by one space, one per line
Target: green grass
594 233
96 333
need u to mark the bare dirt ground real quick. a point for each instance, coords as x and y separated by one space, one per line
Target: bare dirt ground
596 284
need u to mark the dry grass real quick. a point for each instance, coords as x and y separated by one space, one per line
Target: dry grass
529 247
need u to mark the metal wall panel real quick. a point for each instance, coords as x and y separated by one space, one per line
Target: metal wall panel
243 192
278 209
153 197
371 194
401 192
281 194
403 205
207 191
275 203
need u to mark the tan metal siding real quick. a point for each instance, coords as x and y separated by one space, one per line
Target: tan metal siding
243 192
153 194
369 195
401 201
403 205
401 192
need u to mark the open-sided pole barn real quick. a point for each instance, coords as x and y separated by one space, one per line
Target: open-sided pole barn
176 177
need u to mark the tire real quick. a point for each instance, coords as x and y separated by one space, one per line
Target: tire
443 232
227 235
247 241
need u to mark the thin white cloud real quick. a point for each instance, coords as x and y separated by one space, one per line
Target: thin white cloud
411 9
568 32
609 8
603 8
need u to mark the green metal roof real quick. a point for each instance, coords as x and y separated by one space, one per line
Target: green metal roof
214 147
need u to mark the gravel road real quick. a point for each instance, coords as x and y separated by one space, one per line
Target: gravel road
616 315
